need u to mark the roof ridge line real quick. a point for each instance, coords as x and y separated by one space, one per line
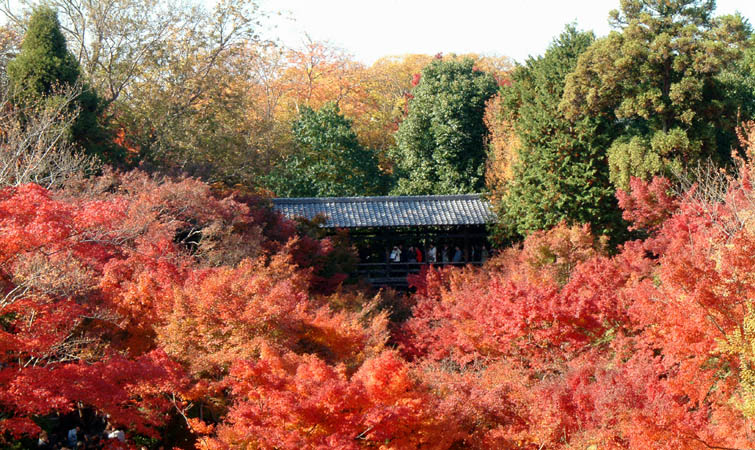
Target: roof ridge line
384 198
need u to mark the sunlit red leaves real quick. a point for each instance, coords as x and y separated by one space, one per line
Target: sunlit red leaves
102 279
62 349
291 401
647 204
218 316
89 273
130 391
518 307
31 219
117 297
618 352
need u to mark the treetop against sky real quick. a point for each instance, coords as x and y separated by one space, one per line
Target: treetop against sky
371 29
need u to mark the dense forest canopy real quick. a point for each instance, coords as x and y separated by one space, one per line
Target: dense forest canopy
150 297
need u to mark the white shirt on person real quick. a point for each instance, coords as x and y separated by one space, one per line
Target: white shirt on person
117 434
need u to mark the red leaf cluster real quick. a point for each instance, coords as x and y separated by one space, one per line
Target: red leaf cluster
147 301
559 345
108 284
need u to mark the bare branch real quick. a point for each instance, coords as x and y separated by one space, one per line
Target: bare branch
34 147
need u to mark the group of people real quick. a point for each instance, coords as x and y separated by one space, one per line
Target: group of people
76 438
446 254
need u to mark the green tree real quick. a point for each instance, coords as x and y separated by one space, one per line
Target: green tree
44 61
45 69
440 146
170 75
561 173
328 161
664 78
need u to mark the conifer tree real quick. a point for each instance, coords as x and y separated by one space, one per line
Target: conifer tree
328 160
45 69
44 62
561 173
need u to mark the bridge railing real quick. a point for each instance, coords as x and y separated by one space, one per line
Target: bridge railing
395 273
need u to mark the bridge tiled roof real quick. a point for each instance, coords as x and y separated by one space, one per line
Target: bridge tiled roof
410 211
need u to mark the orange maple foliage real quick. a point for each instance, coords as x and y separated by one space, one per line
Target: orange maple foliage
292 401
559 345
503 150
144 301
93 275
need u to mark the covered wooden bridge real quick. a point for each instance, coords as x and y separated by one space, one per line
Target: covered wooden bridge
396 236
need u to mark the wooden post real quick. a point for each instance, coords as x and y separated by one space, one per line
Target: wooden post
466 245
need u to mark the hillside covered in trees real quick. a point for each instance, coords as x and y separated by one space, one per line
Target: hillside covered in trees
150 296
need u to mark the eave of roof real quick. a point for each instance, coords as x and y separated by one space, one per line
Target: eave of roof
406 211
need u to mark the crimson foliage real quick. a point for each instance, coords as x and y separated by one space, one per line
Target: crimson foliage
147 301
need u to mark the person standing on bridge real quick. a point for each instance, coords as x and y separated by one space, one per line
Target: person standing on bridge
395 254
457 255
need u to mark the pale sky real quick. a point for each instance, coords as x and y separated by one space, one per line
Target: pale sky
370 29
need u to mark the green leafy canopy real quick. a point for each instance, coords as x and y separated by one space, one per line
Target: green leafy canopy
440 146
561 173
328 161
670 79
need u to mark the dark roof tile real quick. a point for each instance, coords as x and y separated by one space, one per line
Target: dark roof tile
360 212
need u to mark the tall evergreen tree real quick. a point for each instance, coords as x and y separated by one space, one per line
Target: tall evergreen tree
328 161
440 145
561 173
44 68
44 62
664 79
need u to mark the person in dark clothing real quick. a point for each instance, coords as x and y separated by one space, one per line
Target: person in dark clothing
457 255
412 254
